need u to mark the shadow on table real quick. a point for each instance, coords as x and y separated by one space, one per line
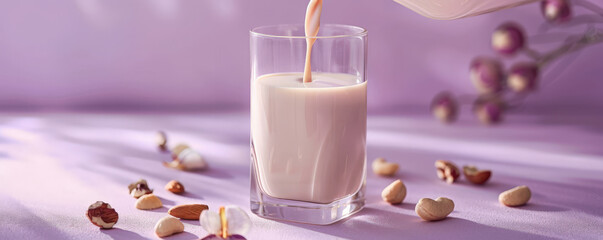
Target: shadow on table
373 223
215 172
118 233
182 236
4 156
23 221
407 206
192 195
162 209
192 222
166 202
539 207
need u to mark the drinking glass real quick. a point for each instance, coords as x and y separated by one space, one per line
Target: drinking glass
308 140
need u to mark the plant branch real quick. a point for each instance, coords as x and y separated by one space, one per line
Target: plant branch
590 6
591 37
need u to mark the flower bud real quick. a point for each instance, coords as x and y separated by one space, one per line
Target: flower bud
489 109
487 75
523 77
444 107
556 11
508 38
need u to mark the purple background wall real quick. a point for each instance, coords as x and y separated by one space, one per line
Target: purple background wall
166 54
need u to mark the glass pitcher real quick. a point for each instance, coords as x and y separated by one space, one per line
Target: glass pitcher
453 9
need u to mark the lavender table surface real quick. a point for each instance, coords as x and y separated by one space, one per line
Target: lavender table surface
53 165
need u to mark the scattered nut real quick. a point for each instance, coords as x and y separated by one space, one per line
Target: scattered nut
162 141
383 168
174 187
139 188
447 171
431 210
394 193
476 176
516 196
229 222
167 226
187 160
102 215
178 149
133 185
188 211
148 202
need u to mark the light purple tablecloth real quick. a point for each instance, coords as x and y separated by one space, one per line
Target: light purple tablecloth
52 166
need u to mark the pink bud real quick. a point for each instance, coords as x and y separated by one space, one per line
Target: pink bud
508 38
487 75
523 77
217 237
556 11
489 110
444 107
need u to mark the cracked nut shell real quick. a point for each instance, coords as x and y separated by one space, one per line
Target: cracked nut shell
102 215
476 176
447 171
139 188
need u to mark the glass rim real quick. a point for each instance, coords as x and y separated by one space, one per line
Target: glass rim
360 33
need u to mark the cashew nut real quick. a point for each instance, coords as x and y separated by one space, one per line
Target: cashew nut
167 226
516 196
394 193
431 210
383 168
149 201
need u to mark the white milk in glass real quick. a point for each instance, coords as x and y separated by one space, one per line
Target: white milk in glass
309 138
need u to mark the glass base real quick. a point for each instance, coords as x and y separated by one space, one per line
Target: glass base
304 212
307 212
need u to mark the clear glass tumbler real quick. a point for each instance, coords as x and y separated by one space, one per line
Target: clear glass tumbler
308 140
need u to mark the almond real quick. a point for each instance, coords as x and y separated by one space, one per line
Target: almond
174 187
188 211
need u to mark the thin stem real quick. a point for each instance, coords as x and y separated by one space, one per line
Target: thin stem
559 69
466 98
535 55
590 38
589 6
580 20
